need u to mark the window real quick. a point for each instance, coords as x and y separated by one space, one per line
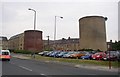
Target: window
5 53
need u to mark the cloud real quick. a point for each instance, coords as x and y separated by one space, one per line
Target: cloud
59 0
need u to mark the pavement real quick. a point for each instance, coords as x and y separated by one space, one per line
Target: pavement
87 66
20 56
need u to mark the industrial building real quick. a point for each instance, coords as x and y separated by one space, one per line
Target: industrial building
92 32
92 35
29 40
62 44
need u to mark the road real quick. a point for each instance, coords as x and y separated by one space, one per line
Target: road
31 67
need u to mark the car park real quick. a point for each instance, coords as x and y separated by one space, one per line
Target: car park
114 55
5 55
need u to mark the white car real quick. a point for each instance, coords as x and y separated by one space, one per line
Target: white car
5 55
42 53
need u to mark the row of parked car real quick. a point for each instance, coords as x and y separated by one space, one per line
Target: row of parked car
108 55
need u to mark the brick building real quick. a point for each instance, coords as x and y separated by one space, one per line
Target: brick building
29 40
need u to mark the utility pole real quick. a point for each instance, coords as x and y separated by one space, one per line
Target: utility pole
48 41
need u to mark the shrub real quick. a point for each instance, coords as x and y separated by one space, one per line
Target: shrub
22 51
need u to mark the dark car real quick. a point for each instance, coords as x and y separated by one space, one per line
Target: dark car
54 53
61 54
112 55
118 55
48 53
67 55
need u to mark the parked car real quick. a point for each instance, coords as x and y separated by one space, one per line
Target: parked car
61 54
77 54
88 55
54 53
67 55
5 55
112 55
43 53
118 55
48 53
99 55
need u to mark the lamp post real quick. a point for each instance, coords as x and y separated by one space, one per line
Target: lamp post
48 42
55 27
34 17
34 30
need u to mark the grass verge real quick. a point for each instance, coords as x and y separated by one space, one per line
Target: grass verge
80 61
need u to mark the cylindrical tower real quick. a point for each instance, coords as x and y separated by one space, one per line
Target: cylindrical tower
92 33
33 40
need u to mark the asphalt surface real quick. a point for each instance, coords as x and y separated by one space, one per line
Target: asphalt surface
31 67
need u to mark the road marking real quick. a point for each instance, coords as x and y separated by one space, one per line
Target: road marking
47 61
25 68
91 74
77 66
42 74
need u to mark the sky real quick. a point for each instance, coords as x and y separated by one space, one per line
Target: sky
119 22
15 17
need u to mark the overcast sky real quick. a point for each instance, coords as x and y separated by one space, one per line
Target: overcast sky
16 18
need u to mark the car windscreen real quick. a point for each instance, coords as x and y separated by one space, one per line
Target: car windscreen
5 53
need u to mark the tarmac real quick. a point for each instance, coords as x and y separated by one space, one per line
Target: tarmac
87 66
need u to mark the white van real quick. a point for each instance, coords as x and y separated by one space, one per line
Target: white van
5 55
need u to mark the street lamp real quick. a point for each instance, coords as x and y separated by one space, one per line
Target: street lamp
55 26
34 17
33 54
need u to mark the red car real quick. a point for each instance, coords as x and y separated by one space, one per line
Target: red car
99 56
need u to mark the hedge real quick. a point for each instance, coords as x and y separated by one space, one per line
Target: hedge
22 51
